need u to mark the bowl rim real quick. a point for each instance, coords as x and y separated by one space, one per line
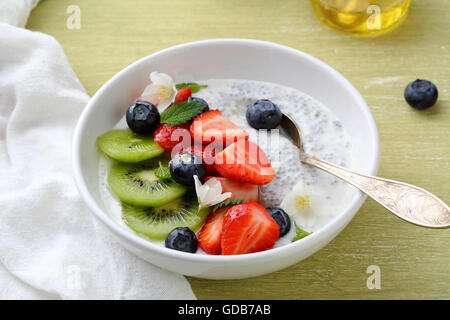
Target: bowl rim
287 249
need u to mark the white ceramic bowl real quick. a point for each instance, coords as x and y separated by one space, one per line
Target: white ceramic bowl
225 58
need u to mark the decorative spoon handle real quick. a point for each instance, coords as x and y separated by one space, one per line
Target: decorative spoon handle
406 201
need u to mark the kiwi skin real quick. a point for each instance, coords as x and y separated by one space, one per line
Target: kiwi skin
156 223
136 184
126 146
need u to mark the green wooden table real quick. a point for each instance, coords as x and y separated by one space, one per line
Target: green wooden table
415 146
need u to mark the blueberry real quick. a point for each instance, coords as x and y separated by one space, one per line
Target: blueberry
184 166
263 114
199 100
143 117
421 94
281 218
182 239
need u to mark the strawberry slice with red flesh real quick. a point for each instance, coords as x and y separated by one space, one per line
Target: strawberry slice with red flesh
207 154
213 127
247 228
183 95
244 161
209 237
240 191
168 136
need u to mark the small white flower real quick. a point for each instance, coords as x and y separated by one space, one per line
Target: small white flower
163 88
210 193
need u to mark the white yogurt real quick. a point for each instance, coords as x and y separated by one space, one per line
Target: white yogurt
323 136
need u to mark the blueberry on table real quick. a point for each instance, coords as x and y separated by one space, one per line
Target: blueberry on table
182 239
421 94
281 218
143 117
199 100
263 114
184 166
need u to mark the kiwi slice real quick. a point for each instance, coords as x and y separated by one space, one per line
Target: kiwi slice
127 146
137 184
156 223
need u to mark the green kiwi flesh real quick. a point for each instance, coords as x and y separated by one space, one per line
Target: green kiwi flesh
156 223
127 146
137 184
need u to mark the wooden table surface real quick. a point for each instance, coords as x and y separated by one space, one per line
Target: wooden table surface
415 145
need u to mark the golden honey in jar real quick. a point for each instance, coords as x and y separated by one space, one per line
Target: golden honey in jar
363 17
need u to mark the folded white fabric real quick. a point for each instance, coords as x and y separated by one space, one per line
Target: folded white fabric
51 247
16 12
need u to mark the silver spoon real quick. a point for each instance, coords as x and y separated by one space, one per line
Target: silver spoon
408 202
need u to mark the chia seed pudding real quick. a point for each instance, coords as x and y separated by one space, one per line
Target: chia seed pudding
311 197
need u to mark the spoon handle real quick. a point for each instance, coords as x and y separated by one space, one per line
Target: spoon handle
406 201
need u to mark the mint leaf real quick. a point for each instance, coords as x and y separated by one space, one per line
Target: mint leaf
162 172
195 87
300 234
226 203
181 112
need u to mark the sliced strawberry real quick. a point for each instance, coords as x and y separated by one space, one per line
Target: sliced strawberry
247 228
207 154
212 127
211 233
240 191
168 136
183 95
244 161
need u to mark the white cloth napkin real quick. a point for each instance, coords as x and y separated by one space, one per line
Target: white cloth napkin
51 246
